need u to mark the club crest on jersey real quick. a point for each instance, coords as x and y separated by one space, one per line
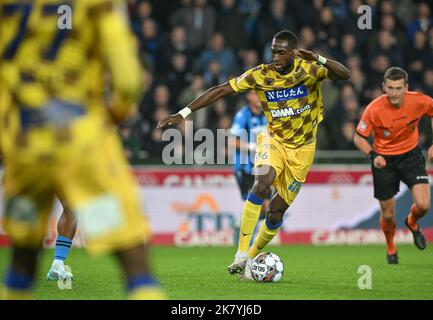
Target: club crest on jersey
269 81
286 94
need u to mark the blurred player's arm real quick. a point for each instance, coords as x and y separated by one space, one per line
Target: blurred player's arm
121 58
336 70
204 100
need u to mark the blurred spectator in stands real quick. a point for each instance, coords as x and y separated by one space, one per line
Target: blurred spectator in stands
339 9
428 82
176 43
358 81
353 62
219 110
378 66
386 45
131 136
249 59
275 20
307 38
386 7
347 131
350 23
178 77
347 111
199 22
217 53
405 11
330 94
213 74
425 135
231 24
162 99
422 22
326 29
418 57
251 10
389 23
153 142
149 41
141 11
189 94
347 47
430 42
306 11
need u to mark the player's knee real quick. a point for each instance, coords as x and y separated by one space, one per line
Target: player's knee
388 216
260 189
423 206
275 217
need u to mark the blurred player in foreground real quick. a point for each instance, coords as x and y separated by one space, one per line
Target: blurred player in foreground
393 119
58 136
289 91
248 122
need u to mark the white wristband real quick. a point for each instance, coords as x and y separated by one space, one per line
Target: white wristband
321 60
185 112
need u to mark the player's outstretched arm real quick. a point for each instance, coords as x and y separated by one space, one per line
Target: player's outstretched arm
336 70
208 97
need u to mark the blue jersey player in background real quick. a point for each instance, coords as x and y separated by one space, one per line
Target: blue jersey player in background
248 122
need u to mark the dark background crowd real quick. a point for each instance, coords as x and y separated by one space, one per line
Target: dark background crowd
188 46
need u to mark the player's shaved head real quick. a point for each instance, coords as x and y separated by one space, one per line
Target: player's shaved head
289 37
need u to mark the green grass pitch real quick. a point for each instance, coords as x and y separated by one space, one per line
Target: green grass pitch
311 272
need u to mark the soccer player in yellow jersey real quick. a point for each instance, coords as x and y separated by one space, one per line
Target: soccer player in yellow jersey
58 134
289 91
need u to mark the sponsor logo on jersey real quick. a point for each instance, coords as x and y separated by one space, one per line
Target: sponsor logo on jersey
288 112
286 94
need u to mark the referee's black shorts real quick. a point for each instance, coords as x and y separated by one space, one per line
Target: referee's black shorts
408 167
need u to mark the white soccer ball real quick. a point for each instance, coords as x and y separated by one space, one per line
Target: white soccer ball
267 267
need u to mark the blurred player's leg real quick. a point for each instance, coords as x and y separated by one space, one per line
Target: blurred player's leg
66 228
106 203
140 284
19 277
250 216
421 197
27 207
387 224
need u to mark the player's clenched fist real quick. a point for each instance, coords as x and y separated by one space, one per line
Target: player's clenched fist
173 119
379 162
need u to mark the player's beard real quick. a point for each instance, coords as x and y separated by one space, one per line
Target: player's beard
285 68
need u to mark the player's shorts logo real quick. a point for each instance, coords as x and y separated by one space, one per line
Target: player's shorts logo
286 94
294 186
